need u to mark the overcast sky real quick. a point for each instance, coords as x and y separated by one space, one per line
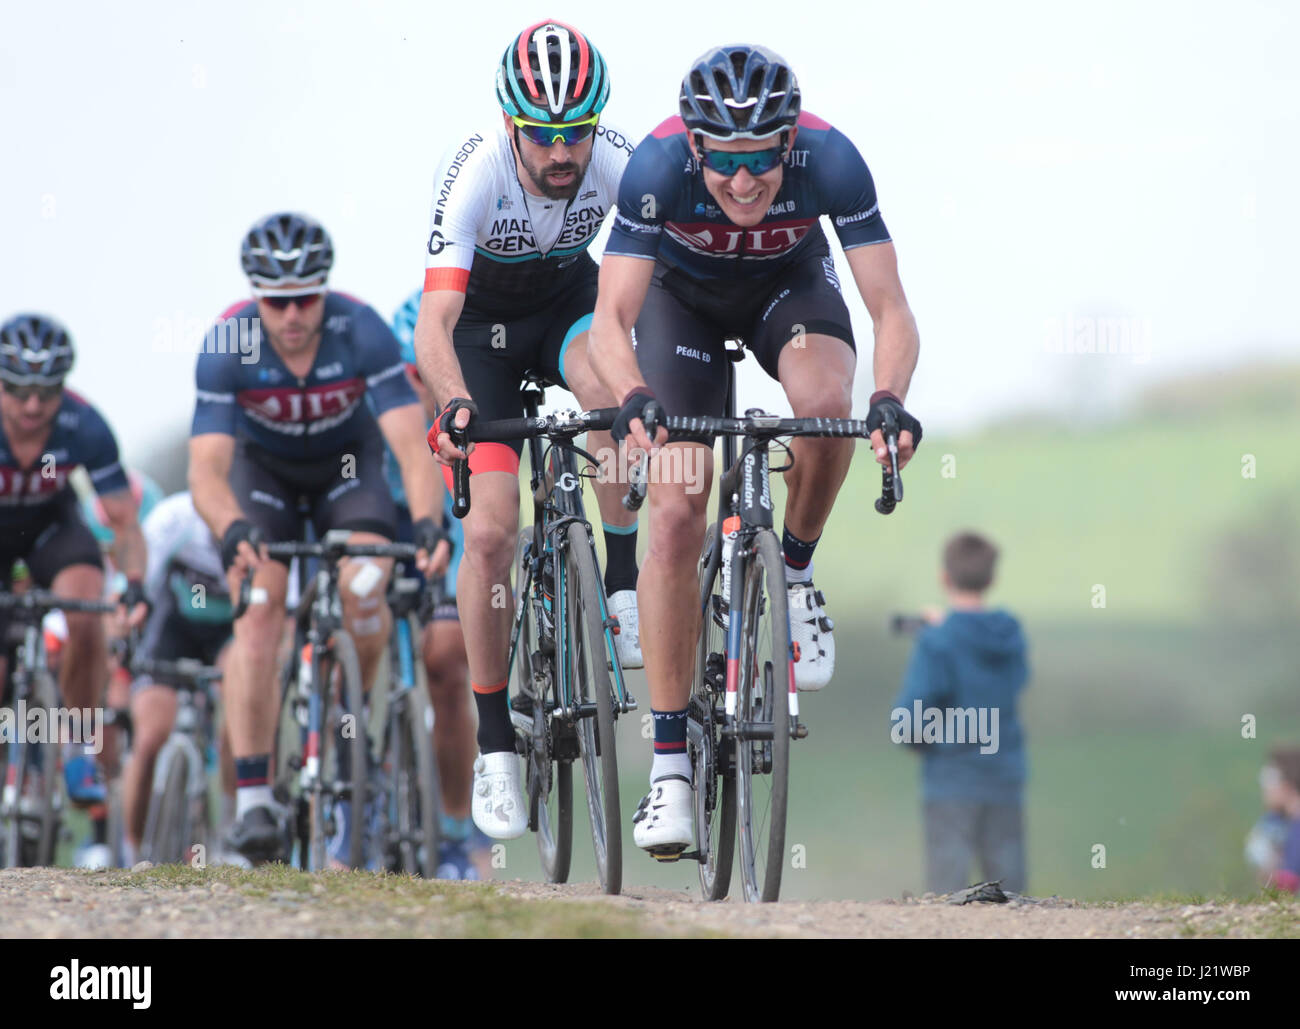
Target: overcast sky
1037 165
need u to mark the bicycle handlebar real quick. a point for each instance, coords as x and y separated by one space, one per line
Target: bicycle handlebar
195 673
329 550
44 600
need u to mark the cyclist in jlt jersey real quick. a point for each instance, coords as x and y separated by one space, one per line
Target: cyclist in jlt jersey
46 432
717 235
281 421
509 288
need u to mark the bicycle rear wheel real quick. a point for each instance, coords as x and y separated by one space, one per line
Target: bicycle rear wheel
548 779
48 758
762 710
588 651
710 754
343 724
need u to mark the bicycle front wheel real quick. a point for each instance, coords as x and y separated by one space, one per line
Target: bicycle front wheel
549 780
588 650
762 724
342 774
165 825
415 775
715 796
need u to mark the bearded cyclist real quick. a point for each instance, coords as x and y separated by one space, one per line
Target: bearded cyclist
280 419
509 288
45 433
717 235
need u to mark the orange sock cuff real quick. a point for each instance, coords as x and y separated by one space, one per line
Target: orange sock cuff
497 688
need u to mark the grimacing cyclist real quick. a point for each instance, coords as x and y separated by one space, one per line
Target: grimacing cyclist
717 235
509 288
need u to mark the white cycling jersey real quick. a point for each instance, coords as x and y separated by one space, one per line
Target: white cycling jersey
499 244
184 554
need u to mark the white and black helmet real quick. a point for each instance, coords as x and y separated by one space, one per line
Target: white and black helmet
286 249
34 351
739 92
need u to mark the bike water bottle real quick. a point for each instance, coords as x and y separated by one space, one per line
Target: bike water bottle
730 529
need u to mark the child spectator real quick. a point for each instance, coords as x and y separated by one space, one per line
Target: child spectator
970 660
1287 762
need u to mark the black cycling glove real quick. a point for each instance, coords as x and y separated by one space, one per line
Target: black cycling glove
428 534
241 530
639 403
884 404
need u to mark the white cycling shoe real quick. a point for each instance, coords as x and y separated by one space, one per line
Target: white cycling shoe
622 605
498 805
664 823
810 633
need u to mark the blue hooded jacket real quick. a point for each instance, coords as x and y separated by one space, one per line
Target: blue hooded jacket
971 668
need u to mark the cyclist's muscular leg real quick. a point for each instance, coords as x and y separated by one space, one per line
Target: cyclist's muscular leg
153 712
668 589
249 689
817 375
483 595
447 672
366 617
84 663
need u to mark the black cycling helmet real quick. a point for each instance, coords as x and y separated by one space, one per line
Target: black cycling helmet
739 92
286 249
552 74
34 351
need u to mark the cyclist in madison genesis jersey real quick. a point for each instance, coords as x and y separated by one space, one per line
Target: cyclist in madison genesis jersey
718 235
282 434
509 289
45 433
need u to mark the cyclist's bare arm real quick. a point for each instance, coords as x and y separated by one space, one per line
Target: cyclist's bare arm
624 282
875 270
123 517
436 356
403 429
211 456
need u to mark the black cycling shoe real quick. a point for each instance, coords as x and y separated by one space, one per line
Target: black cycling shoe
258 837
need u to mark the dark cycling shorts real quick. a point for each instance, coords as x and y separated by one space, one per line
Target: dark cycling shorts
56 541
334 493
680 332
495 353
170 636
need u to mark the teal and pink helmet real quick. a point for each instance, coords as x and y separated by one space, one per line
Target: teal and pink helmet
146 492
552 74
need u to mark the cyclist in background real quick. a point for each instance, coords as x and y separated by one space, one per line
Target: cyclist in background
279 418
46 432
190 618
97 852
729 244
442 644
509 288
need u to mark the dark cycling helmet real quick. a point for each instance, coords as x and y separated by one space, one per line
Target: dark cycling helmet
34 351
551 74
739 92
286 249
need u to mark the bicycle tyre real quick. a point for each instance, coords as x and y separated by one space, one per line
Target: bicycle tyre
290 737
415 774
325 793
715 796
165 825
589 650
764 671
46 694
548 782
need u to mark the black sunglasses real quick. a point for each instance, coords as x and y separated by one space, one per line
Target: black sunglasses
281 302
42 392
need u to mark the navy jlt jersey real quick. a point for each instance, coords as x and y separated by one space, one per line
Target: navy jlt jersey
78 437
665 211
245 390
